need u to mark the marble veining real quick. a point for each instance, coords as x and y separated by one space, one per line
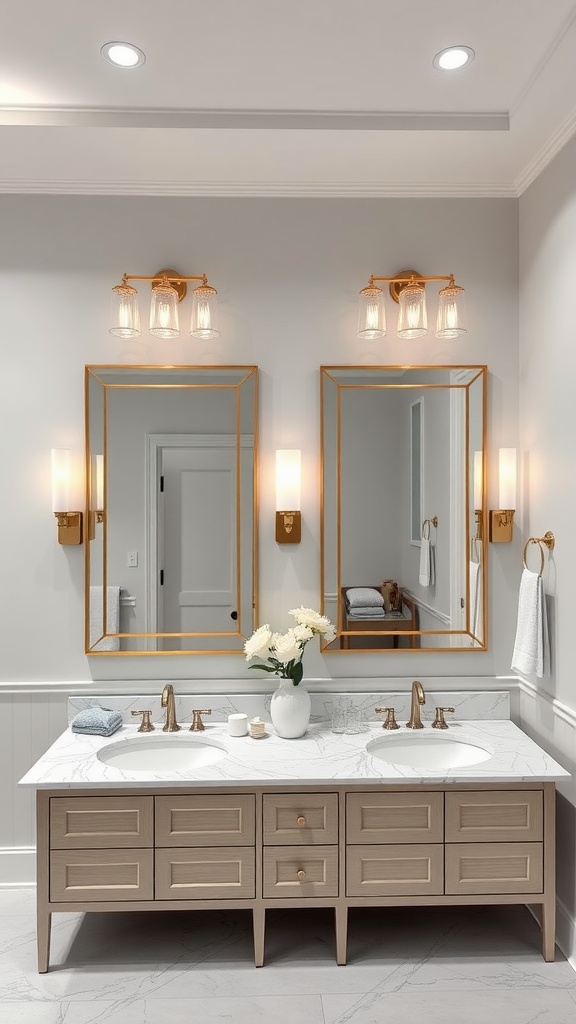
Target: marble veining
318 757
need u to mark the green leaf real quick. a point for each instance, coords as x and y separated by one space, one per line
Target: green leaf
297 673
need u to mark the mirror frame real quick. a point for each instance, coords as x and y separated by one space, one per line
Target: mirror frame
475 524
105 376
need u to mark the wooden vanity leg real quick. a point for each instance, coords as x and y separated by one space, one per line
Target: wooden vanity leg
549 904
341 928
549 929
259 925
43 929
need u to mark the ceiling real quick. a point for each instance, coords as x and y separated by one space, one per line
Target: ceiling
266 97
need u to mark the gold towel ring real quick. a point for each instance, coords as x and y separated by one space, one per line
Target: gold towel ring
548 539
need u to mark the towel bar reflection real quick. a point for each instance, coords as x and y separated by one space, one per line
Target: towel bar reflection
431 522
548 540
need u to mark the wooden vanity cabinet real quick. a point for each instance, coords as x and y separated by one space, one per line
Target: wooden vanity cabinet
319 846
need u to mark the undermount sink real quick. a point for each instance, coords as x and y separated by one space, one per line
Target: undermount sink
164 753
428 750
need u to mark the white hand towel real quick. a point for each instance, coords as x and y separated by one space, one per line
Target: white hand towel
97 642
531 647
426 574
476 611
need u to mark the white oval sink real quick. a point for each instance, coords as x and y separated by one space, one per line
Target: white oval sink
428 750
164 753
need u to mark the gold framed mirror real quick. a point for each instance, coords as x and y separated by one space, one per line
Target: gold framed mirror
171 552
403 510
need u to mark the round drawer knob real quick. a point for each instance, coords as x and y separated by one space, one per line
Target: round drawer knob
301 873
301 821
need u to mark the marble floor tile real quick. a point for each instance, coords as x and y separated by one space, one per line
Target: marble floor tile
231 1009
517 1006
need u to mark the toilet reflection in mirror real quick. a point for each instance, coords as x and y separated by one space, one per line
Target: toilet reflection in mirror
175 553
399 504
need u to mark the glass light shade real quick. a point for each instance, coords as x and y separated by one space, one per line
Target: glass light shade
371 313
413 317
164 311
288 476
451 312
125 312
204 321
507 478
61 473
478 480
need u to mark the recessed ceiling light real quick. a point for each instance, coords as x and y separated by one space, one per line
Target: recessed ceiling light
123 55
453 57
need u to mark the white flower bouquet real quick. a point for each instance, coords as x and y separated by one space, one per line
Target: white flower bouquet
281 653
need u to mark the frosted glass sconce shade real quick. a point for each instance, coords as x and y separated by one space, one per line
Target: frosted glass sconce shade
69 522
451 312
371 313
125 311
502 519
204 323
413 316
288 488
164 311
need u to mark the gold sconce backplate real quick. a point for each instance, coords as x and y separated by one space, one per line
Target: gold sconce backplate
397 286
501 526
69 527
180 286
288 527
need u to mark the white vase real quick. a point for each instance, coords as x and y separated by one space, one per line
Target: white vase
290 709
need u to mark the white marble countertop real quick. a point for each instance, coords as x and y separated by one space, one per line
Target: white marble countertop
317 758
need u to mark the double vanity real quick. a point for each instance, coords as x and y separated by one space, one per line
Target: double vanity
202 820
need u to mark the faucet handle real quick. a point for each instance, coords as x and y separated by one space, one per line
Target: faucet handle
197 723
145 724
390 722
439 720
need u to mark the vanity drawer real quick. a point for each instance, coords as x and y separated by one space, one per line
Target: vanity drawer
101 875
300 871
206 820
477 868
501 817
291 818
395 818
206 874
101 822
416 869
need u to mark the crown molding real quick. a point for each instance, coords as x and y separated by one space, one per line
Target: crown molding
546 154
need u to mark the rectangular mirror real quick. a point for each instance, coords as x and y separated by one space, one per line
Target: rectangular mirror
171 470
403 508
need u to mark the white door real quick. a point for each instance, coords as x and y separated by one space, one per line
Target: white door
197 578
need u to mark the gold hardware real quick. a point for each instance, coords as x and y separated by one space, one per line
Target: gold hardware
431 522
301 873
390 722
478 520
69 527
501 525
301 821
402 280
145 724
439 720
167 701
197 723
418 698
288 527
548 540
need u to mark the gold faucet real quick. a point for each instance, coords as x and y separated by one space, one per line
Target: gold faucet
167 701
418 698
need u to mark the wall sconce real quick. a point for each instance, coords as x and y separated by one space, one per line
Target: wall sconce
502 519
96 494
478 488
168 289
69 523
288 516
408 289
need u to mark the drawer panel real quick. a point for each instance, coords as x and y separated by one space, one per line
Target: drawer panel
490 817
395 818
101 875
101 822
205 820
206 874
300 871
416 869
310 818
476 868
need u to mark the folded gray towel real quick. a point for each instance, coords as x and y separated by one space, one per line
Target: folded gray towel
96 721
364 597
366 613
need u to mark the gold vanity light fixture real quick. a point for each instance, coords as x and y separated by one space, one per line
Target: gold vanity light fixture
69 523
168 289
407 288
502 519
288 487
